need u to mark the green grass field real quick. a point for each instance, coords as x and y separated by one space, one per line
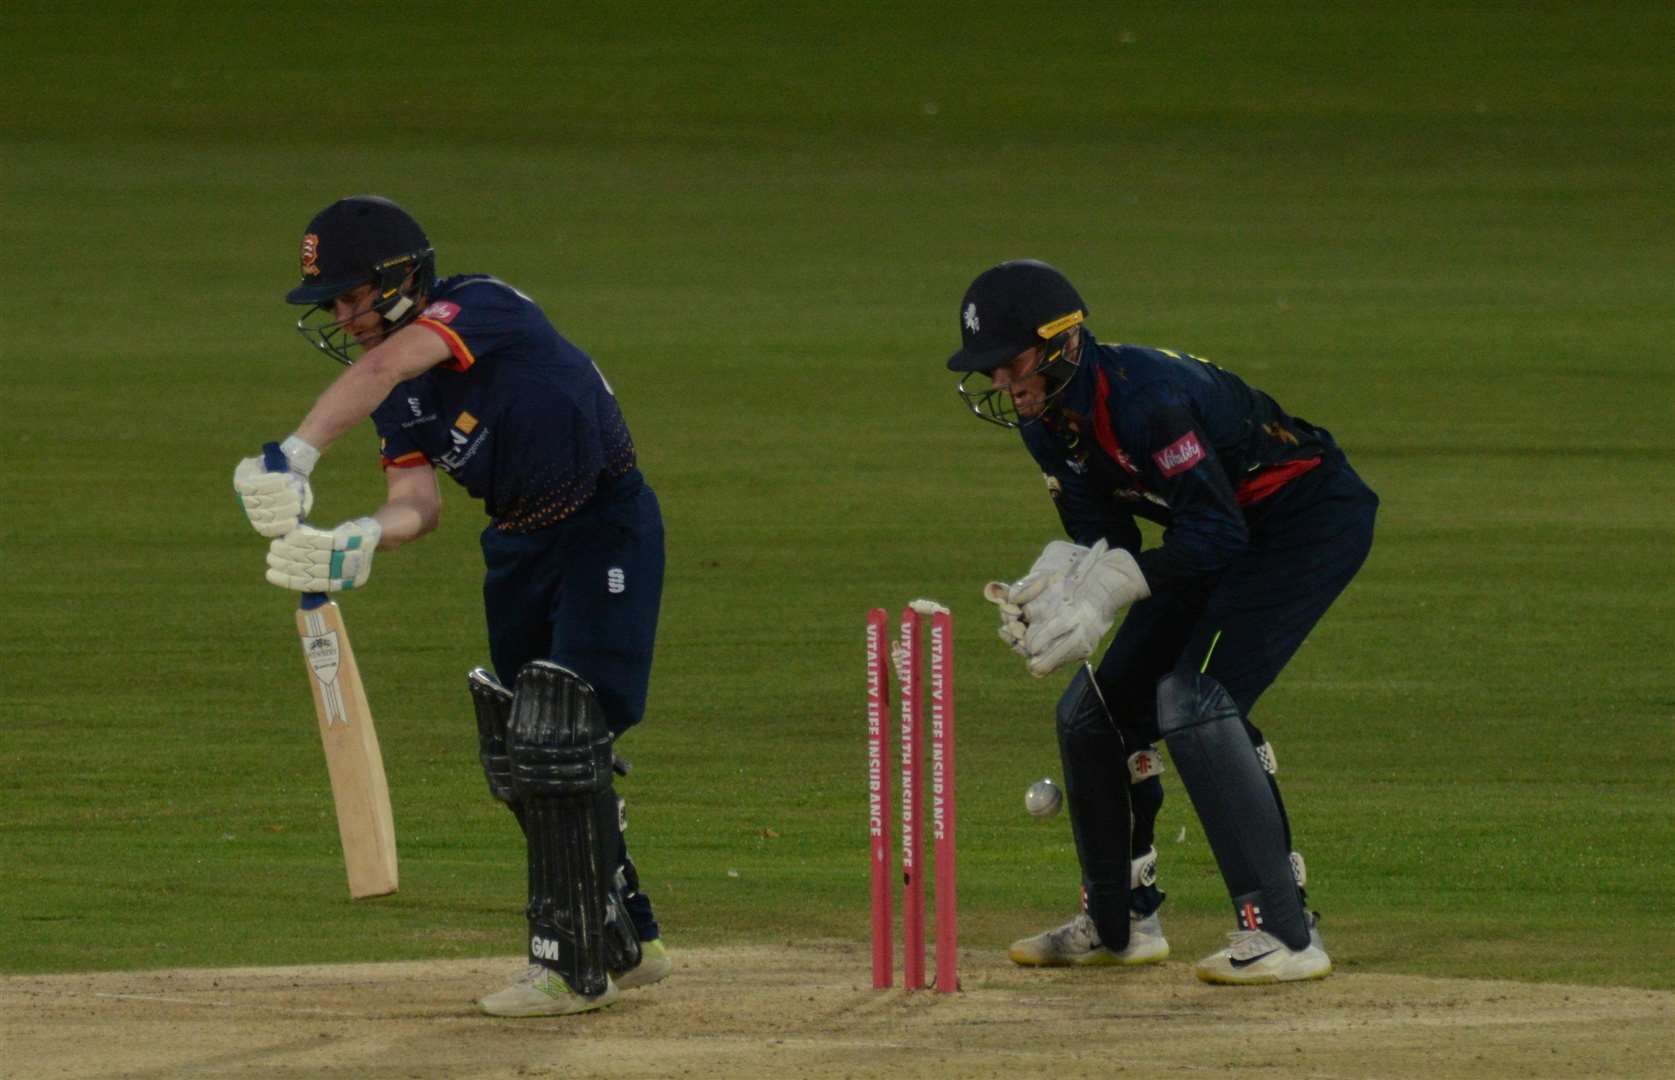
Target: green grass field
1442 231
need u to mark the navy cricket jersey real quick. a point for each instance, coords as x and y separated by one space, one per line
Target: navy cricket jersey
1151 433
519 416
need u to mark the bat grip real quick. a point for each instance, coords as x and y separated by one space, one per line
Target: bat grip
274 459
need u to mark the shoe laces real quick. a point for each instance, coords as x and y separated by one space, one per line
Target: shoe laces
1245 944
545 980
1078 934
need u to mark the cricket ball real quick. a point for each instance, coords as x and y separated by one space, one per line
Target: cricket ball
1043 799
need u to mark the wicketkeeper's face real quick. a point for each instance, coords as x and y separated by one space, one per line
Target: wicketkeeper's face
1020 378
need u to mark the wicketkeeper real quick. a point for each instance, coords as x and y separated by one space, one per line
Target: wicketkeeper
1264 524
467 376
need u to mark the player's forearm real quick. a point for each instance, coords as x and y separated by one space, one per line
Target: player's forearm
354 395
350 399
404 519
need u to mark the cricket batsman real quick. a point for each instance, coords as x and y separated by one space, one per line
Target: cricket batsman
465 375
1264 524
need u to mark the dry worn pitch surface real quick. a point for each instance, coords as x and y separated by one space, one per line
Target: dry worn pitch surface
808 1012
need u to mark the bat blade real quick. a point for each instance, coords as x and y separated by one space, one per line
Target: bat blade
359 789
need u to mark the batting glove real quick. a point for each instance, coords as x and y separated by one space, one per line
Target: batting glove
317 560
277 502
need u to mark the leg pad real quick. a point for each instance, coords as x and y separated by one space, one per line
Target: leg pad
1230 790
493 704
560 751
1096 787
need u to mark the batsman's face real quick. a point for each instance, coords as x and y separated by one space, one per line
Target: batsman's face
353 311
1019 377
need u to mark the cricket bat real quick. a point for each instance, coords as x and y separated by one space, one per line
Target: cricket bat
360 792
359 789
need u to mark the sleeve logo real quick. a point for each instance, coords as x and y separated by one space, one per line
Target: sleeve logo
441 311
1180 455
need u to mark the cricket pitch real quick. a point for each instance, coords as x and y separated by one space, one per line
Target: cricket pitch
807 1011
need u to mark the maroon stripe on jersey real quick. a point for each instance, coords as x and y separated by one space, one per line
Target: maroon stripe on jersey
1102 430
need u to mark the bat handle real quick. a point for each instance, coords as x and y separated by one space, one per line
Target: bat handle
274 459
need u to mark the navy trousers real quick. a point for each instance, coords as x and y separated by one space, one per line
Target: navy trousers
1244 627
585 594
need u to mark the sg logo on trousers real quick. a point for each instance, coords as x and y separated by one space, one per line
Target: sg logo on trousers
615 580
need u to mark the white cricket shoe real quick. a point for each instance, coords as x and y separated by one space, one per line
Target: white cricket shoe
654 966
540 991
1256 957
1076 944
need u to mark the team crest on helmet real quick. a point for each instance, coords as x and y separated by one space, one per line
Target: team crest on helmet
970 317
310 253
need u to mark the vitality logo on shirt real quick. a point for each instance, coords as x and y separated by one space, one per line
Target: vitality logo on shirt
1179 456
440 311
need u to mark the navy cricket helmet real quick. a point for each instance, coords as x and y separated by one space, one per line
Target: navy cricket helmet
1018 305
361 240
1013 307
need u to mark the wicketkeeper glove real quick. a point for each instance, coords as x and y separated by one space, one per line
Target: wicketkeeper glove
1034 597
1051 567
1103 582
317 560
277 502
1012 625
